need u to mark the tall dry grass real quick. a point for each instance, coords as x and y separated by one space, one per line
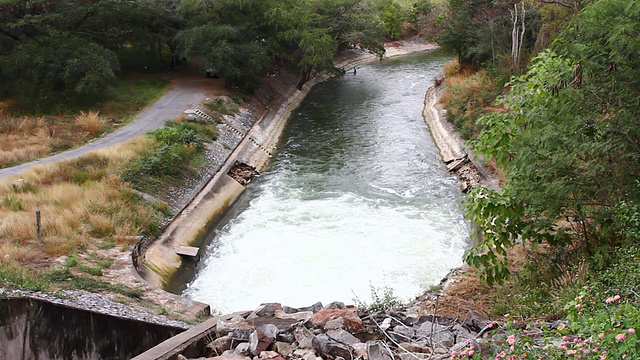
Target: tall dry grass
91 122
22 138
82 202
455 78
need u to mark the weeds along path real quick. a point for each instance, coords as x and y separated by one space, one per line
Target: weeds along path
183 94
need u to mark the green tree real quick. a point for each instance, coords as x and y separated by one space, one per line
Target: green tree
570 144
392 17
50 70
227 51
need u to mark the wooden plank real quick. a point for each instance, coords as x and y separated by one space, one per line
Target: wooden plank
456 164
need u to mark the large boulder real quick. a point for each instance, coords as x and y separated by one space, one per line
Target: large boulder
265 310
224 327
330 349
261 338
350 321
304 337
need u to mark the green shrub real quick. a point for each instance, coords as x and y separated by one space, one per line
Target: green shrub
80 177
221 106
184 134
382 299
13 203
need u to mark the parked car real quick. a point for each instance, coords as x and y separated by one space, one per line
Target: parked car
210 73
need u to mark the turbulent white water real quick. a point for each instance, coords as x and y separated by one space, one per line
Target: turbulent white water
356 197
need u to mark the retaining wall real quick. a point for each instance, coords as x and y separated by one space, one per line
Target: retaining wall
32 329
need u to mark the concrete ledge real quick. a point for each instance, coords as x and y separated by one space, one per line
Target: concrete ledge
188 343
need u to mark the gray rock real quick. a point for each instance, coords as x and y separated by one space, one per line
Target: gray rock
313 308
218 346
283 348
462 334
241 335
386 324
411 356
329 348
265 310
286 337
475 321
427 327
290 310
375 351
261 338
334 305
224 327
242 349
414 347
302 316
402 333
304 337
342 336
334 324
444 338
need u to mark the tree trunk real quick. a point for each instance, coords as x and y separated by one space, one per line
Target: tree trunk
306 75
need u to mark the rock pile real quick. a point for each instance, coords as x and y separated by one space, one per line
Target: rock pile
336 331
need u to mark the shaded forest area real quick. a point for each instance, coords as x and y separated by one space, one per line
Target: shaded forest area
54 51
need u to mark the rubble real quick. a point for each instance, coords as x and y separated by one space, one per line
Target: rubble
339 332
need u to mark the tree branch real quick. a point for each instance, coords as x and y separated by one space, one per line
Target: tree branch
556 2
9 35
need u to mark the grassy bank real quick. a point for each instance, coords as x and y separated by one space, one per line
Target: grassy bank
30 136
92 205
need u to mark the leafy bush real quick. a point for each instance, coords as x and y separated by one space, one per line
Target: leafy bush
382 299
184 134
601 320
178 148
52 70
221 106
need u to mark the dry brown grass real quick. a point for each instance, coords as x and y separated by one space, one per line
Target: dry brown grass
91 122
462 82
80 205
466 292
22 139
17 253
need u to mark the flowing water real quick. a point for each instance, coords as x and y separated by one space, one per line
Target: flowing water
357 196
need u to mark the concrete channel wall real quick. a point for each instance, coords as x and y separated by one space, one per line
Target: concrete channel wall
32 329
159 262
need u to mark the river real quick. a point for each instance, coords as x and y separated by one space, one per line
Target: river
356 197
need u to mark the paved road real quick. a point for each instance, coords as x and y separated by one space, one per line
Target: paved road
183 94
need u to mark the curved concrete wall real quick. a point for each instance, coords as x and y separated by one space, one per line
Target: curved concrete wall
33 329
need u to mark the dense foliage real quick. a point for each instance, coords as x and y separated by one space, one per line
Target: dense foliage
569 145
237 40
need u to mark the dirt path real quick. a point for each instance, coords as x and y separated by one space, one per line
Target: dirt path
183 94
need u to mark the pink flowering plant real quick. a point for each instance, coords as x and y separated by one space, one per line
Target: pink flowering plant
601 322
